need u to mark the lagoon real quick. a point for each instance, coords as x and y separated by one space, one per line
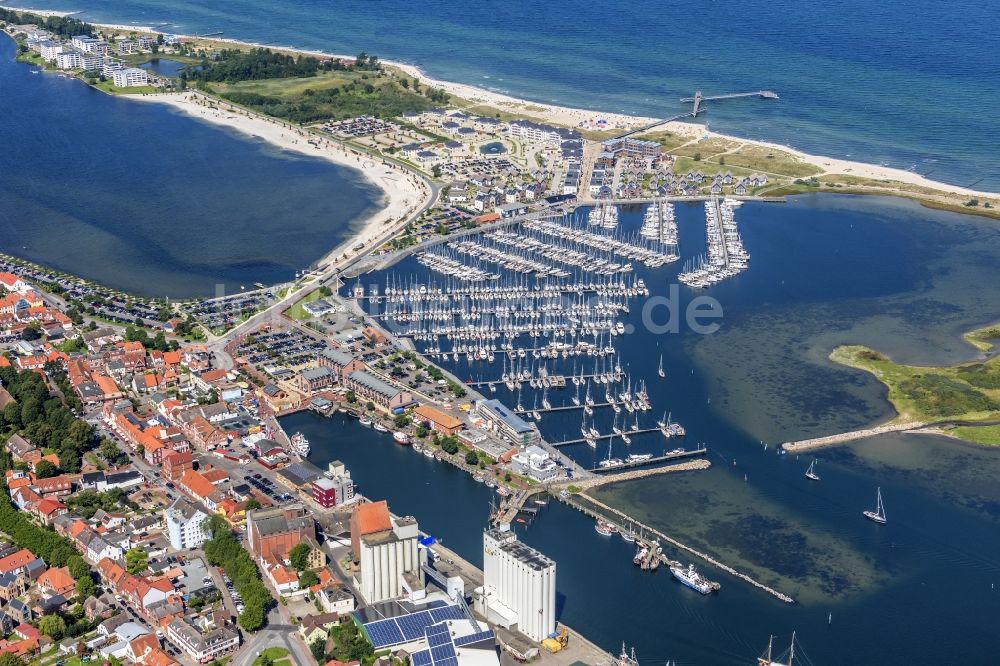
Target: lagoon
142 198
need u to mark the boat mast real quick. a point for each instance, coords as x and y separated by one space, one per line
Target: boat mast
791 650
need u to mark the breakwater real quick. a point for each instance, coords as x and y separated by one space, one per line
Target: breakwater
844 437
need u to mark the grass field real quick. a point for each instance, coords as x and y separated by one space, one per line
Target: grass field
966 392
297 312
288 87
707 147
668 140
768 160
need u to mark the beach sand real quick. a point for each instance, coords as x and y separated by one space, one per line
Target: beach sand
403 192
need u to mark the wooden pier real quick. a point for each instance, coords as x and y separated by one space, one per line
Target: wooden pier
651 461
844 437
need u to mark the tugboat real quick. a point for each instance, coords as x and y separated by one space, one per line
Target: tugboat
878 515
692 579
300 444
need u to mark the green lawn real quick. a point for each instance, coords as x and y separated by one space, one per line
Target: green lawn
278 655
299 313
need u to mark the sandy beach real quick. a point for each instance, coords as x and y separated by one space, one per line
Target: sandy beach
403 192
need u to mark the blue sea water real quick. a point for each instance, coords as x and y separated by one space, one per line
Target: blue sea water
140 197
908 84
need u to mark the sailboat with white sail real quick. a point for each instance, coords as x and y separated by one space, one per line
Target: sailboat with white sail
878 515
811 472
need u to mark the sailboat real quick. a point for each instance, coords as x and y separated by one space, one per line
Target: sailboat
660 372
878 515
767 659
811 472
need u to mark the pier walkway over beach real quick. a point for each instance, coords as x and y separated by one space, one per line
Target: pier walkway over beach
696 103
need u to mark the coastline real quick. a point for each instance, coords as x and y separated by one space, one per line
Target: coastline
945 194
401 191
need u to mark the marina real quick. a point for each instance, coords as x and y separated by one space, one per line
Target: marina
726 256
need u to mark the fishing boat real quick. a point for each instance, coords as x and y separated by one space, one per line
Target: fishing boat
605 528
660 371
365 421
401 437
300 444
878 515
640 554
811 472
692 579
379 427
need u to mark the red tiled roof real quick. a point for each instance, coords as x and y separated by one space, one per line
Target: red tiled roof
372 517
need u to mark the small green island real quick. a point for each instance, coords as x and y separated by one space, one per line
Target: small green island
962 400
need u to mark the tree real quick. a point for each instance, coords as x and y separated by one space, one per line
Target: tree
351 396
45 469
308 579
8 659
318 649
85 588
252 617
436 171
52 626
78 567
299 556
136 560
252 504
471 458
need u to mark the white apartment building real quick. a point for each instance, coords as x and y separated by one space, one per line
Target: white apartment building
526 130
519 585
128 77
187 525
49 50
89 44
202 644
69 60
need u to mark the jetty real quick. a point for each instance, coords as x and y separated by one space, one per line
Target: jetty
648 461
601 511
698 98
696 107
844 437
611 435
